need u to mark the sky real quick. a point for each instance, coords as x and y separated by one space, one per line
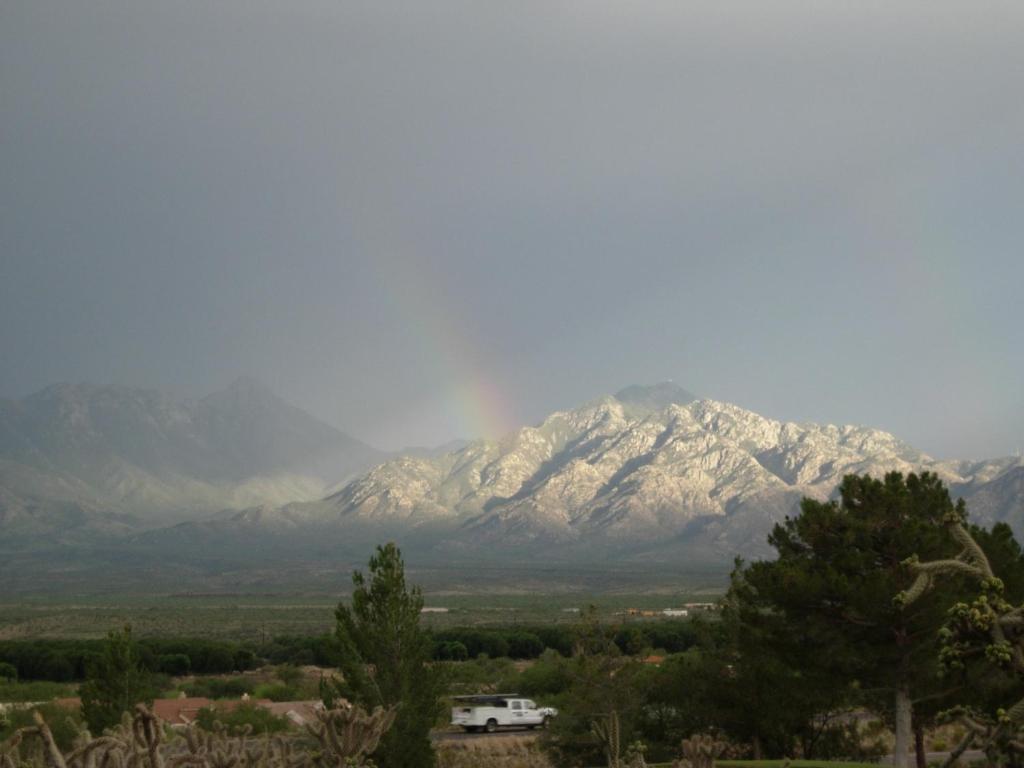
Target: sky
423 221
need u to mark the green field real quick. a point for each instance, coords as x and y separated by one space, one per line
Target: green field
260 617
34 690
781 764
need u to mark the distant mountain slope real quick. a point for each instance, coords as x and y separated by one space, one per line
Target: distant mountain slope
646 468
121 451
649 475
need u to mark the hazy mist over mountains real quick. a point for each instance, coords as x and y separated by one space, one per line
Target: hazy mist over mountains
651 474
116 458
485 231
443 220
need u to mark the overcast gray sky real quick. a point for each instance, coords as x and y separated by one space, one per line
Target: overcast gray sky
433 219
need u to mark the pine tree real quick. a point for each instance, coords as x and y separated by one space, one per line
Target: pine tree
839 564
386 660
116 682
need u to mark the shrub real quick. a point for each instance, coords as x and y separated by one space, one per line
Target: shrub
245 659
550 675
33 690
524 645
277 692
57 667
174 664
480 674
219 688
451 650
289 674
64 723
262 721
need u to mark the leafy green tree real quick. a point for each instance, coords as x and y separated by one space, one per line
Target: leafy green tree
548 677
8 672
116 682
450 650
839 564
174 664
600 713
765 696
385 660
524 645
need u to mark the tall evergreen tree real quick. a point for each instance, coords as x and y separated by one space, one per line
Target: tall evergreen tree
116 682
774 701
385 659
839 565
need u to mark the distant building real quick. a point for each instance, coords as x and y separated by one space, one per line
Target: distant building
676 612
641 612
298 712
433 609
701 606
183 711
180 712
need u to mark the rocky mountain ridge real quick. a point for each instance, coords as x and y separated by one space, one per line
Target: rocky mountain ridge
649 473
640 471
613 470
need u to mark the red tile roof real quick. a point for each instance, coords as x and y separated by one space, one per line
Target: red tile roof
180 711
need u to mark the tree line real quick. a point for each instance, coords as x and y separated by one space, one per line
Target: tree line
70 660
60 660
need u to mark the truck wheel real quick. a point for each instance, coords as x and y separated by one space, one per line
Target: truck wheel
492 725
544 723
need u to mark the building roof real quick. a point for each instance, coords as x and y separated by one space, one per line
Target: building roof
298 712
180 711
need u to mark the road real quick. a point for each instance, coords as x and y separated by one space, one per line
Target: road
518 733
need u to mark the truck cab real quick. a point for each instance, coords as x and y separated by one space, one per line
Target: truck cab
490 712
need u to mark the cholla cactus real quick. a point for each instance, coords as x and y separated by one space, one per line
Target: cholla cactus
607 731
635 755
700 751
346 736
989 621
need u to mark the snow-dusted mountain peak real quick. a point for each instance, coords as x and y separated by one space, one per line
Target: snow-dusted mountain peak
648 463
651 473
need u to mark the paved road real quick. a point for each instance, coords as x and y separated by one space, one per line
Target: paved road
519 733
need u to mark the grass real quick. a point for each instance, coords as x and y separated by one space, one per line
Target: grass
258 617
34 690
781 763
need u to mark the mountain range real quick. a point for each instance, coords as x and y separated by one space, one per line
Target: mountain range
650 471
79 461
651 474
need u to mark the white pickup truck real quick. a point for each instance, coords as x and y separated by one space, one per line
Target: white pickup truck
492 711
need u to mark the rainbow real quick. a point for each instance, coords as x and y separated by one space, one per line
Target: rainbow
471 393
